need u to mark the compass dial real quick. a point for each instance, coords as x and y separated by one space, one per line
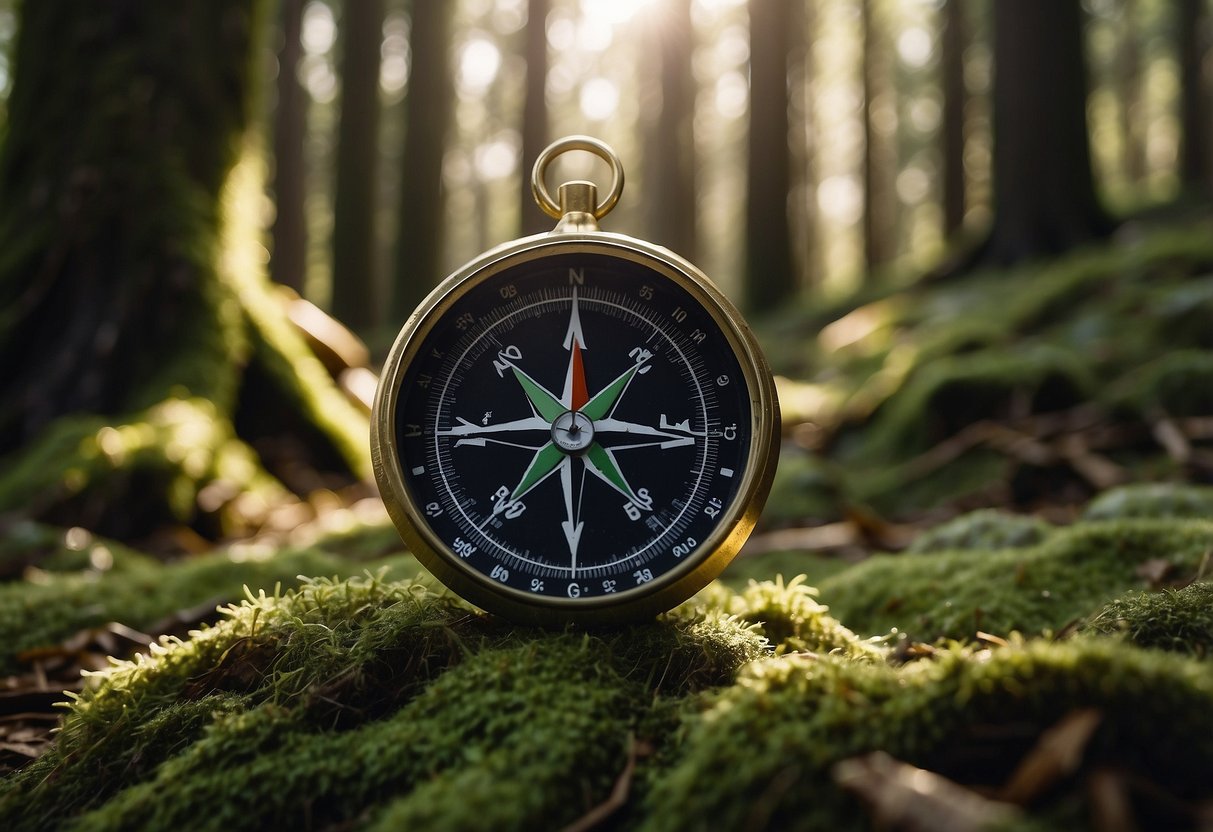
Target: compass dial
577 427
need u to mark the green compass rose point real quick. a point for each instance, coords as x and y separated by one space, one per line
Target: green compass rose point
544 403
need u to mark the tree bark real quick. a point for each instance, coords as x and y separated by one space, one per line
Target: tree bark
878 225
770 275
1128 85
1044 191
671 160
288 265
354 295
954 39
428 106
1196 133
531 220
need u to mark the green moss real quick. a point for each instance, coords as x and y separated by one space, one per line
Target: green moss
767 745
1180 383
355 692
954 594
790 617
1178 620
26 545
89 466
145 594
983 529
1153 500
950 393
805 487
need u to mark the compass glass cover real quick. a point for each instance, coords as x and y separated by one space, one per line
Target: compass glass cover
574 426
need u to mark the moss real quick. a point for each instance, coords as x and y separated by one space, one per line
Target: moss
25 545
948 394
145 595
1032 590
171 451
983 529
1177 620
356 691
778 732
1179 383
790 617
805 487
1176 500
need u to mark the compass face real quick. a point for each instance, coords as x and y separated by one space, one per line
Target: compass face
575 429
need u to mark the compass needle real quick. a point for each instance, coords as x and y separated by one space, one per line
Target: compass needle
542 481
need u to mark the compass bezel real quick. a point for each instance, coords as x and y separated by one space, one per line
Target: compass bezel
667 589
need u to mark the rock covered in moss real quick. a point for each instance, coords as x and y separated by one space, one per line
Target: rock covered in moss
983 529
1152 500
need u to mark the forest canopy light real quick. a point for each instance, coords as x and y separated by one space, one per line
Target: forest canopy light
576 426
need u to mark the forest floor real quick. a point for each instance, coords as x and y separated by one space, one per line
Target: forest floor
997 484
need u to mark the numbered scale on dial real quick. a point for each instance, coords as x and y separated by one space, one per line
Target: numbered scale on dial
576 426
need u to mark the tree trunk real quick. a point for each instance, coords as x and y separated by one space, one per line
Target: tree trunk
770 276
354 296
135 319
428 113
1044 190
810 261
1196 133
671 160
1128 86
531 220
955 98
288 265
878 225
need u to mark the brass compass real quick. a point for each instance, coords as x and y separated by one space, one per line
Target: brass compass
575 426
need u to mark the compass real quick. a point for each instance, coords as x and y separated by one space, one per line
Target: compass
576 426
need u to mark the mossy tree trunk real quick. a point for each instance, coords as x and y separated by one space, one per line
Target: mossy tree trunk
135 320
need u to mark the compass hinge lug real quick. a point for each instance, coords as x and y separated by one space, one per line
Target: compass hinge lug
577 205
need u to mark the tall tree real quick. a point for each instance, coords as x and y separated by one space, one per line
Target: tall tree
534 113
428 113
953 41
140 340
1196 132
806 216
878 225
1044 189
770 274
288 265
354 296
1129 94
670 160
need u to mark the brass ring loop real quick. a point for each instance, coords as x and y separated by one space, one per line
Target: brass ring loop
587 143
